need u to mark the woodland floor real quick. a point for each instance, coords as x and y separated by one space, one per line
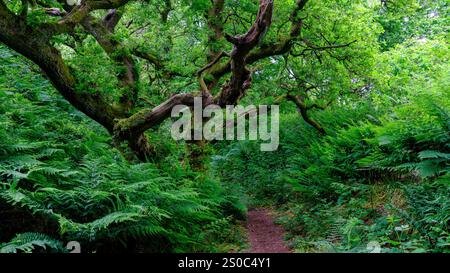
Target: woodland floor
265 236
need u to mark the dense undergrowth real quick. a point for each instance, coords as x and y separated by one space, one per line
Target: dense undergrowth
379 181
373 74
62 181
379 178
344 191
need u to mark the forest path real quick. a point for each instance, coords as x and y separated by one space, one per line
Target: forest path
264 235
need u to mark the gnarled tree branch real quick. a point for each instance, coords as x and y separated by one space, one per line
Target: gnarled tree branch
134 127
145 119
128 77
303 110
240 76
34 45
283 45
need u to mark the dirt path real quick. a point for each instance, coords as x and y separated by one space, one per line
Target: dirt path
265 236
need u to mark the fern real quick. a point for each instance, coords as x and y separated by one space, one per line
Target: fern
28 242
433 154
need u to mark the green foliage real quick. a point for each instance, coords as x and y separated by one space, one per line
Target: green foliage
59 170
402 20
380 175
377 177
29 242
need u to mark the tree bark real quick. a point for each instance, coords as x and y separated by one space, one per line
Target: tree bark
303 110
34 43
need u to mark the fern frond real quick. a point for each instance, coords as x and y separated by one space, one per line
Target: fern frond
27 242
